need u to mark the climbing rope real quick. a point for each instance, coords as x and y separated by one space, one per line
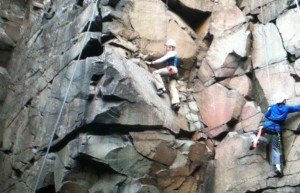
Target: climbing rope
64 102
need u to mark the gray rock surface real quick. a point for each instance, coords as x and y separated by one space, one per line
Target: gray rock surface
12 15
111 132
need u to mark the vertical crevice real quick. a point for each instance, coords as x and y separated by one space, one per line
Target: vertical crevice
91 49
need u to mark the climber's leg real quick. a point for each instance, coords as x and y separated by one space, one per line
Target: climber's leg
158 79
276 153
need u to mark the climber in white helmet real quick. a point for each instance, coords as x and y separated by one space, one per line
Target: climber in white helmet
270 131
171 71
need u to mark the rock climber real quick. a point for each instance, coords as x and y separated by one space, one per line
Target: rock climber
171 71
270 131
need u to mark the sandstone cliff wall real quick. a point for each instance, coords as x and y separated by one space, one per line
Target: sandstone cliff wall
76 73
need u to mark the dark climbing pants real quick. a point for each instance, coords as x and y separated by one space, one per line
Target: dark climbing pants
275 147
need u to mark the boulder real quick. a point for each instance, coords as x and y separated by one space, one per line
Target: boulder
234 42
157 146
289 34
220 103
232 66
224 19
115 151
70 169
242 84
205 73
293 120
267 10
217 131
292 155
267 46
276 79
250 119
190 156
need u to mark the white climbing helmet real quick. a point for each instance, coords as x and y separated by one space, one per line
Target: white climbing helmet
171 42
279 98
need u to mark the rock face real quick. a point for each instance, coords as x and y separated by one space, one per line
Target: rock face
265 36
267 10
12 16
224 106
251 167
79 110
280 75
5 81
206 5
290 35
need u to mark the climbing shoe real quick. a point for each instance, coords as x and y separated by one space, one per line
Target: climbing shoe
175 106
278 170
161 91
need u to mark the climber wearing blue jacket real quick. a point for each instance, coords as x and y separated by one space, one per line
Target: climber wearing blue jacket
276 115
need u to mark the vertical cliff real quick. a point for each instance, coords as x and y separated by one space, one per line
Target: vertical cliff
80 113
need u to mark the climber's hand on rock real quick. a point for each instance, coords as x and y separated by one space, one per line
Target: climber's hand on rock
254 144
255 141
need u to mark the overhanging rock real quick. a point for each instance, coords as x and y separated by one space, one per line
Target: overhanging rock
127 96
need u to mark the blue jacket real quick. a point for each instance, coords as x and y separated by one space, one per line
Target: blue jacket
173 61
277 115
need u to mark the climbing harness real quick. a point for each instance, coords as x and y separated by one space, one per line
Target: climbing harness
170 69
64 102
